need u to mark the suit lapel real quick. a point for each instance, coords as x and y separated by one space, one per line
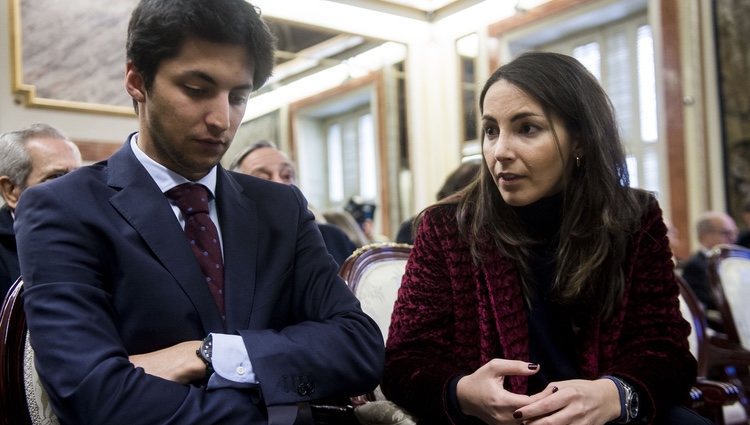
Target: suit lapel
143 206
239 231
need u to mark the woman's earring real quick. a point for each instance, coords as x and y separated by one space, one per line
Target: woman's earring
578 161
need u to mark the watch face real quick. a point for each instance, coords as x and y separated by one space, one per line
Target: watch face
633 405
208 348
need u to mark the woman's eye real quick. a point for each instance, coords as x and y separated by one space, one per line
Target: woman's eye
529 129
490 131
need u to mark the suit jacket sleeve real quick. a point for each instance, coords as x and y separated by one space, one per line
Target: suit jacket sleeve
328 346
96 293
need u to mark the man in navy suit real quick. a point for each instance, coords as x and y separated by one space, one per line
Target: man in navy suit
121 318
713 228
264 160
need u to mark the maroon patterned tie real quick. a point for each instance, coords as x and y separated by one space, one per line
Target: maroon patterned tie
192 199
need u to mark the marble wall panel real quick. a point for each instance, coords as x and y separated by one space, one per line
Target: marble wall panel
75 50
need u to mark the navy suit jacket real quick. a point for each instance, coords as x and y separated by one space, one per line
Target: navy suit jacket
338 244
695 273
109 273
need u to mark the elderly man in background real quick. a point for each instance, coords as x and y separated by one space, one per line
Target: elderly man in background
27 157
713 228
264 160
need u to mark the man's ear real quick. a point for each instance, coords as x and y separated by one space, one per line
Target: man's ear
9 191
134 83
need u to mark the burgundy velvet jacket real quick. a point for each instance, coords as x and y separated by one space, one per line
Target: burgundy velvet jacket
451 317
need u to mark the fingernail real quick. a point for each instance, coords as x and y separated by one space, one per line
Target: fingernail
517 415
554 389
533 366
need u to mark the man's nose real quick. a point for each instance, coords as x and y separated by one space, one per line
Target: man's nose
218 115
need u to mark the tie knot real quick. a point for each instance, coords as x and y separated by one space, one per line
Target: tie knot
190 198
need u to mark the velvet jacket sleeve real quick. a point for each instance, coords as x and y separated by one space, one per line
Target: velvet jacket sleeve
647 342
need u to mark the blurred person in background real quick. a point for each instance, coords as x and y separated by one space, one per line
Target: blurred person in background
28 157
457 180
264 160
713 228
364 214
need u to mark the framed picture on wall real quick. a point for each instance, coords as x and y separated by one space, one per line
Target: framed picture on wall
71 54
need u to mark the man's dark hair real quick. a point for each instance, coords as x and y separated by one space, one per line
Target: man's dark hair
158 29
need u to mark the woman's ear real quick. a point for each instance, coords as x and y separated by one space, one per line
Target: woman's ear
577 149
134 83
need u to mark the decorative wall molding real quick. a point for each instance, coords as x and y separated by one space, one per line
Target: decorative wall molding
70 55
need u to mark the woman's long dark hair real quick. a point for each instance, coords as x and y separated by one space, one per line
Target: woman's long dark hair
600 211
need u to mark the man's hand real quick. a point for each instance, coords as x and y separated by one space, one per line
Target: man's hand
482 395
177 363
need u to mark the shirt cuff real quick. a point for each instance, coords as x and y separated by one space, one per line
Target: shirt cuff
231 363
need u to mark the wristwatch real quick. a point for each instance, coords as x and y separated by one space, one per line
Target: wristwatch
204 353
628 399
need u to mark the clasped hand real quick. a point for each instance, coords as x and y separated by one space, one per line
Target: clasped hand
574 402
177 363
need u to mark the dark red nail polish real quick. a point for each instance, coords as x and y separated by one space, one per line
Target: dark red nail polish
533 366
517 415
554 389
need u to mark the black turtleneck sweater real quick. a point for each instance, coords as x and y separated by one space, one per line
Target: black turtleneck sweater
552 341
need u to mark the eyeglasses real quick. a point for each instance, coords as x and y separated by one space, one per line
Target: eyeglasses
729 234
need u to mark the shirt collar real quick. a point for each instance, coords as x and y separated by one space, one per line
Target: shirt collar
166 178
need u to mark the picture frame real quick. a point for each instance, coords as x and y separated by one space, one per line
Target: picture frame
70 55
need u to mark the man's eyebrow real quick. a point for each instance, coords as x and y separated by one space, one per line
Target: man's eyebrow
209 79
200 75
260 169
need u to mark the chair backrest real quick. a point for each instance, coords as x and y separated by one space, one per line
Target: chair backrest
729 278
12 346
373 272
23 400
692 311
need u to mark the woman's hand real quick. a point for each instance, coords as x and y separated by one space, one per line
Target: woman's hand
574 402
177 363
482 395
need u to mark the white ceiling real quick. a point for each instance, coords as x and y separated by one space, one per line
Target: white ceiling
428 10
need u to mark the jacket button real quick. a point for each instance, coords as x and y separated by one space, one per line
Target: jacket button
305 389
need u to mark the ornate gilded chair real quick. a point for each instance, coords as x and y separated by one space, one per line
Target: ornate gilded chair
721 402
22 398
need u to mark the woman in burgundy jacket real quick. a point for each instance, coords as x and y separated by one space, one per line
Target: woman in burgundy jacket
545 290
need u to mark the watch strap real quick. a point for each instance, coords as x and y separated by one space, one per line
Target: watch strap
205 352
628 396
